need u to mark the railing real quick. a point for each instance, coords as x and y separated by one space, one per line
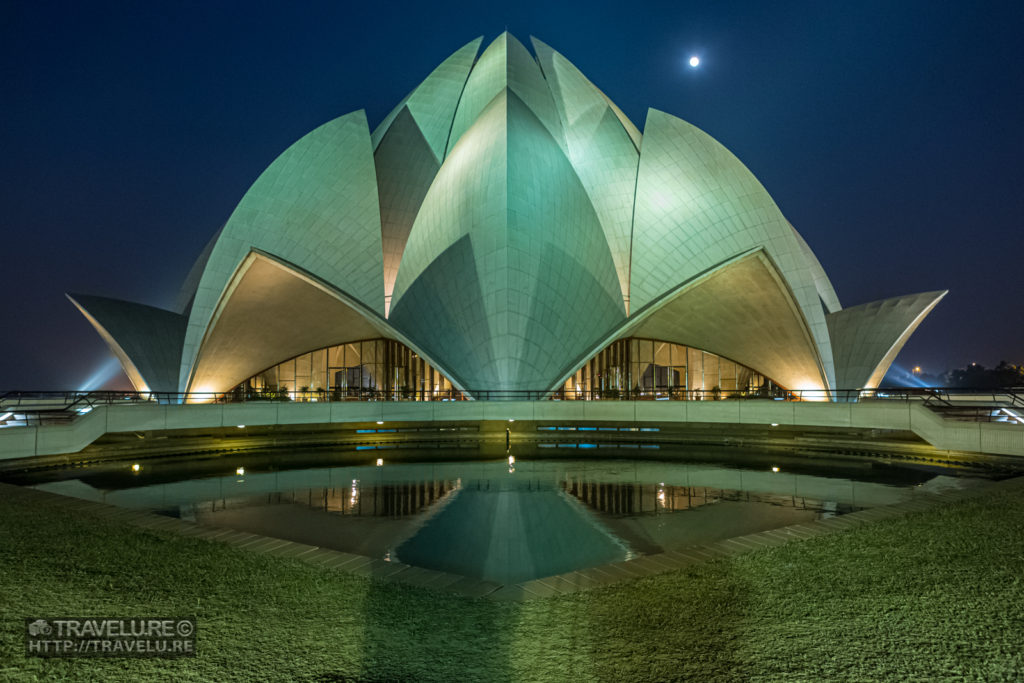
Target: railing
23 408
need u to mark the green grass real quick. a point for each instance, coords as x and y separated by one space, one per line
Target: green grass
933 595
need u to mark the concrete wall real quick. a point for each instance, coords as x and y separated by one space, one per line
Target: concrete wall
994 438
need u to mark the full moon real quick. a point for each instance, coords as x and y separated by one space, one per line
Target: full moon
694 61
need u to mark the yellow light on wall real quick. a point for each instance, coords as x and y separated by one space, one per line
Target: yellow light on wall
204 394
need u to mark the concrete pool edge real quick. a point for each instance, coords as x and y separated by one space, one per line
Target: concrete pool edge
547 587
866 418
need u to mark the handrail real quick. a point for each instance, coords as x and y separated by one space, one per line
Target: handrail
38 407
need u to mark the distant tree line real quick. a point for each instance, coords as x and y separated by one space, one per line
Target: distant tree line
977 376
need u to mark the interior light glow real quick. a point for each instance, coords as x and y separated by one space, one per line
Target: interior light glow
774 424
5 416
136 467
380 462
204 394
83 411
380 422
775 469
511 460
1009 412
241 426
240 471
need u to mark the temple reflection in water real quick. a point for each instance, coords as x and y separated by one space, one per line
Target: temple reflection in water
636 498
378 500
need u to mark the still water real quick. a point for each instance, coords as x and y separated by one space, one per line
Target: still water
509 520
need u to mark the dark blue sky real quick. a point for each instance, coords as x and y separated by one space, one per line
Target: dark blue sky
889 133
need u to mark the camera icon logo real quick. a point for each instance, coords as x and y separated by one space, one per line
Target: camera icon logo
40 627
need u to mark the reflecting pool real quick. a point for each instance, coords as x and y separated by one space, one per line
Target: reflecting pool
509 520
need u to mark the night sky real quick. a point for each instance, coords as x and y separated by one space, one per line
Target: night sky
891 135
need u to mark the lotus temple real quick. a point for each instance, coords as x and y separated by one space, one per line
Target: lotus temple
507 231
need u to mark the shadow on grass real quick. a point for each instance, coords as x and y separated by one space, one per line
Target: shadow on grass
683 626
421 635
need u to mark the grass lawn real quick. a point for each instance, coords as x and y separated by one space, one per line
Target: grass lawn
933 595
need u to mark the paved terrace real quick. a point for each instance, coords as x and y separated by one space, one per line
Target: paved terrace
870 416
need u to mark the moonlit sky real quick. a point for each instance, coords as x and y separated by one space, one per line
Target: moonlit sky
891 134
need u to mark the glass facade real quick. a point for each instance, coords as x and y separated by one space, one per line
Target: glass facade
384 369
648 368
381 369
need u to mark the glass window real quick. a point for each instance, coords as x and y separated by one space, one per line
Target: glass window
286 375
336 356
648 368
318 370
727 375
303 365
695 370
663 353
711 378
